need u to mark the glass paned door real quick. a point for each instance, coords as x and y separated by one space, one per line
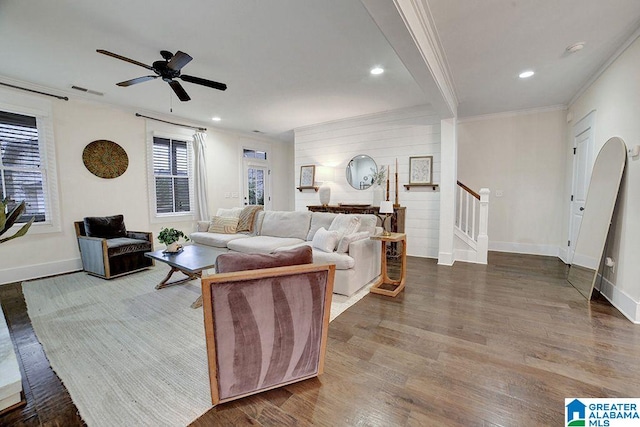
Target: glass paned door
256 183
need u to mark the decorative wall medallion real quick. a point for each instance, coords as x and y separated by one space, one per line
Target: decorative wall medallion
105 159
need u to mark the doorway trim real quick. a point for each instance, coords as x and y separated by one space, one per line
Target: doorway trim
585 124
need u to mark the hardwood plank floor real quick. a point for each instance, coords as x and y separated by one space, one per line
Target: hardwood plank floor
468 345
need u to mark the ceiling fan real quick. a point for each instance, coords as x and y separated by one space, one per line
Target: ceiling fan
168 69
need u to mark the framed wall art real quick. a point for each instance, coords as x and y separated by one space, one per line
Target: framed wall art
421 170
307 176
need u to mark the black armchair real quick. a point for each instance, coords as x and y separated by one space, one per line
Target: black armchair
108 250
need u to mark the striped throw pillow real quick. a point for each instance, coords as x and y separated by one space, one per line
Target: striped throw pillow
247 215
223 225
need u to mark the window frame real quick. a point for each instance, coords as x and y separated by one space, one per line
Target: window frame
161 130
42 110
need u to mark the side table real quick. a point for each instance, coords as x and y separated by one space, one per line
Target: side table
384 275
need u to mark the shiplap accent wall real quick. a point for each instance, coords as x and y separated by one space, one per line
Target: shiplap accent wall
385 137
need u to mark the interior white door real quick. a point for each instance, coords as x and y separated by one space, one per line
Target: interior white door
581 174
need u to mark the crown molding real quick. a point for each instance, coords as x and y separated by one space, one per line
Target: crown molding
507 114
605 66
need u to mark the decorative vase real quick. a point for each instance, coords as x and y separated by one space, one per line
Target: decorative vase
173 247
324 192
378 194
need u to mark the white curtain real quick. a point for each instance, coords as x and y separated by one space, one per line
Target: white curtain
200 177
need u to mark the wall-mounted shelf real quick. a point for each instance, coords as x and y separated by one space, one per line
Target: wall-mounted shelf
408 186
314 188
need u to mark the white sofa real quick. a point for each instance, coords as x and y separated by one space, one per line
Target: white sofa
275 231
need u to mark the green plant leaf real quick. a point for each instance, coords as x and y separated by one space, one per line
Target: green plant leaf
13 216
23 230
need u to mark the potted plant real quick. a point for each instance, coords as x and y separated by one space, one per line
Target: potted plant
170 237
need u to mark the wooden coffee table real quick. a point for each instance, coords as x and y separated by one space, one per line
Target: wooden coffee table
190 261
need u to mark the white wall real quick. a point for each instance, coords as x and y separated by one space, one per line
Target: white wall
77 123
385 137
524 157
615 96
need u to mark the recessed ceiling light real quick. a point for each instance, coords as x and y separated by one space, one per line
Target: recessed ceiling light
216 119
575 47
377 70
526 74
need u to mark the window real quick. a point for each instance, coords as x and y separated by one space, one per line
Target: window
172 176
21 171
254 154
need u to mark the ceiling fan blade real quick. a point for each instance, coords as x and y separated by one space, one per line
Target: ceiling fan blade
124 58
179 60
136 81
179 90
204 82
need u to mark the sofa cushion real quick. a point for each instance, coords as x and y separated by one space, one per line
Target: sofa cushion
246 218
261 244
235 261
230 212
343 244
345 224
217 240
342 261
325 240
124 245
105 227
320 219
286 224
223 225
368 223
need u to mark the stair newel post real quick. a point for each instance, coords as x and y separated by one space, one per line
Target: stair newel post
483 226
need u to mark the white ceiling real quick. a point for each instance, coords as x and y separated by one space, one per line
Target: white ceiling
292 63
489 42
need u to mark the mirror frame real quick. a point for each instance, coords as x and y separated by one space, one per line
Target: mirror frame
598 213
367 177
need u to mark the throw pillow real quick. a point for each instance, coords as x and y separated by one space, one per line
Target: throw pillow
325 240
343 245
247 215
105 227
345 225
223 225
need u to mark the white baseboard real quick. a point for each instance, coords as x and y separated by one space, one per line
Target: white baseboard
35 271
563 254
445 258
467 255
619 299
524 248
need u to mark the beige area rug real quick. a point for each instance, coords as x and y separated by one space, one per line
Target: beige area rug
128 354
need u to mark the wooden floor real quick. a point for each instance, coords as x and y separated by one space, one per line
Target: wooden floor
469 345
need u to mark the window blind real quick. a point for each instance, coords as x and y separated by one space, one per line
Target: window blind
20 165
171 173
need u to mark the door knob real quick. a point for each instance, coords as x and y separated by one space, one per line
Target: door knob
582 208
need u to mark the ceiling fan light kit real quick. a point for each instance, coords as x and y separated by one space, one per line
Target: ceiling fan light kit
168 69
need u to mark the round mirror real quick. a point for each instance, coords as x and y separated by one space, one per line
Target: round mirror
360 170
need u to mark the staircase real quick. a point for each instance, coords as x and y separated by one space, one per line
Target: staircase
471 241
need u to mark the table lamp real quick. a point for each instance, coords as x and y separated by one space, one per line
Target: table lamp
386 208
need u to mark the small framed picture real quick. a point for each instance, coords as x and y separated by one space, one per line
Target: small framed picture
307 175
421 170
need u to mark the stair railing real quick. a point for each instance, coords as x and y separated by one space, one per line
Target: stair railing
472 219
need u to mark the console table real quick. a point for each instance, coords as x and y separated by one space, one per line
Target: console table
397 219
